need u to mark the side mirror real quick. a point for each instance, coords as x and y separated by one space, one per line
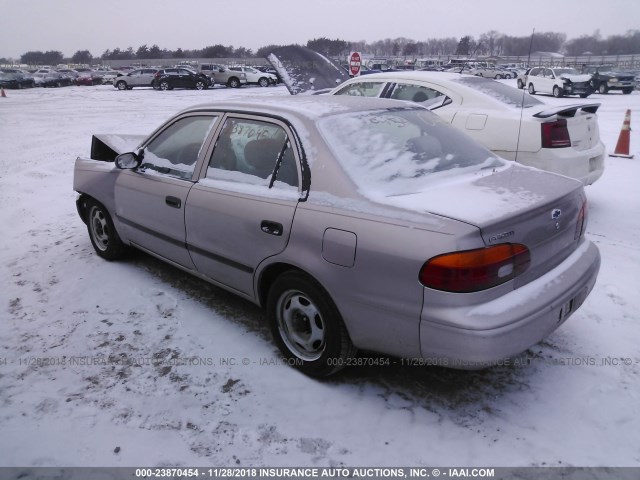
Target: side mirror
128 161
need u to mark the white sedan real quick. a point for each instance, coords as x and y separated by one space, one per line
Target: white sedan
511 123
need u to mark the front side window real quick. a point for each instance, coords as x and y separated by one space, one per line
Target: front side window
176 149
254 152
362 89
419 94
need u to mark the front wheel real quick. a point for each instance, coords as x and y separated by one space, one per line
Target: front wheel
602 88
103 235
627 91
584 95
263 82
520 84
307 327
498 76
200 85
557 92
531 89
121 85
164 85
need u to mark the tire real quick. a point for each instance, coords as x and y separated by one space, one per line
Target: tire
319 347
627 91
121 85
520 84
164 85
200 85
584 95
233 82
498 76
557 92
602 88
102 233
263 82
531 89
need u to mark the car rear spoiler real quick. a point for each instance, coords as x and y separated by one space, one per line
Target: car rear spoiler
304 70
107 147
568 110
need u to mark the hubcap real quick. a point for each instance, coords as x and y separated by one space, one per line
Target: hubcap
99 229
301 326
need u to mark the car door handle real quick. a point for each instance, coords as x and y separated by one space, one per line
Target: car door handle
272 228
174 202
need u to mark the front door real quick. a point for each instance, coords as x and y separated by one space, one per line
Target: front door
150 201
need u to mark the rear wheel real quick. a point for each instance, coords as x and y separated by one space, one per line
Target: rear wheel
520 83
233 82
557 92
627 91
602 88
306 325
103 235
498 76
531 89
584 95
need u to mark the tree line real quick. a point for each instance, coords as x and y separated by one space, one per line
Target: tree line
491 43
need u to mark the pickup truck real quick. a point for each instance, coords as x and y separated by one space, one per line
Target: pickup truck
223 76
607 77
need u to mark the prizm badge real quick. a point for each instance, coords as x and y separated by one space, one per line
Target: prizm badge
500 236
555 213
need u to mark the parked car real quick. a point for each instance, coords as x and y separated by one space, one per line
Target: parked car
486 71
559 82
255 77
522 78
269 69
12 78
223 76
142 77
55 79
606 77
412 241
170 78
109 76
90 77
512 124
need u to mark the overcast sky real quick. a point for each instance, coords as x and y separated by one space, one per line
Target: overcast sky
72 25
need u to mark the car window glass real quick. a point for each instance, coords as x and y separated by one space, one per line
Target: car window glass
499 91
396 151
247 151
176 149
414 93
548 73
362 89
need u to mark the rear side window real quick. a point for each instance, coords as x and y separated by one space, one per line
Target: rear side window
362 89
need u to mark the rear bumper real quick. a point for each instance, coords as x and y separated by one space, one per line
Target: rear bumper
584 165
522 317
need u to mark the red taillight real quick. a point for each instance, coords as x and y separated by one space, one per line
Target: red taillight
475 270
555 134
582 221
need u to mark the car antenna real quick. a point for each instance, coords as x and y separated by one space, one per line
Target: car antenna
524 89
472 56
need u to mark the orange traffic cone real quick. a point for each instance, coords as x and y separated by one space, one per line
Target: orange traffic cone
2 94
622 147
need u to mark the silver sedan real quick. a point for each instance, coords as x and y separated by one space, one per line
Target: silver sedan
357 223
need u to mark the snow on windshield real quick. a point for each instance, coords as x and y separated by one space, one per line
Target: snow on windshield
399 151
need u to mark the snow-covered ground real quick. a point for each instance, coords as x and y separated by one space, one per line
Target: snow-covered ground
135 363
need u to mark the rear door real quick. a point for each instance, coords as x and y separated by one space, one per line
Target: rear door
236 214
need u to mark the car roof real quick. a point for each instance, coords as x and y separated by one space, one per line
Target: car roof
303 107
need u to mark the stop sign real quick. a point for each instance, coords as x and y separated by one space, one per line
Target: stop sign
355 61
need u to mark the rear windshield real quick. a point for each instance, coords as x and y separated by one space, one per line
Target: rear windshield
400 151
499 91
